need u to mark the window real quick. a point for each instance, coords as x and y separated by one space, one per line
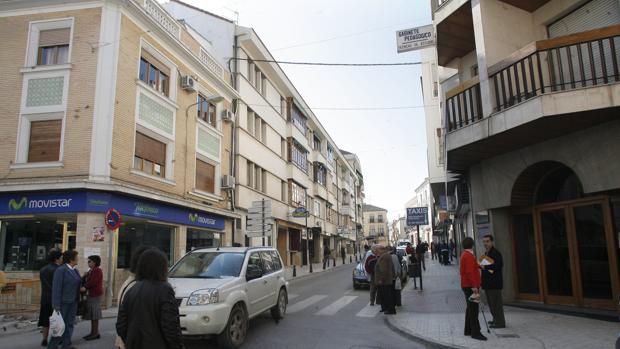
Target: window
250 121
316 143
257 127
330 154
283 191
205 176
206 111
255 260
283 107
381 231
372 231
267 262
154 73
320 173
317 208
132 235
372 218
263 133
201 238
298 155
297 194
329 212
380 218
250 70
250 174
298 119
53 46
275 258
44 144
283 148
150 155
256 177
22 241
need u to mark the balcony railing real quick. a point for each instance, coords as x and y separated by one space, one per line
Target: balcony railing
463 105
575 61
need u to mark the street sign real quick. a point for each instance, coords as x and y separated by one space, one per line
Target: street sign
415 38
300 212
259 210
257 234
259 216
262 203
417 216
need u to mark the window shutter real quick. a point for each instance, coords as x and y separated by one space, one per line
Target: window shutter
44 141
54 37
205 176
154 61
150 149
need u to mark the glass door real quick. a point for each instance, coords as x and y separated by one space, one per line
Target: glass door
526 259
558 272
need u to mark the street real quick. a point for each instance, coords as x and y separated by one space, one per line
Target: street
324 312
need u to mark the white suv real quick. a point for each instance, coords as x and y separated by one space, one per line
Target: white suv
219 289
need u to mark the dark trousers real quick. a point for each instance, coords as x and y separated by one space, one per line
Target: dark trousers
433 254
472 326
325 261
386 294
421 260
496 306
68 312
343 257
397 295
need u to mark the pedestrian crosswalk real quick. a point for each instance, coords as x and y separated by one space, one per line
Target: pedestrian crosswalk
326 305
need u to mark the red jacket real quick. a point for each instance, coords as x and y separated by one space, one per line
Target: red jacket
94 282
470 273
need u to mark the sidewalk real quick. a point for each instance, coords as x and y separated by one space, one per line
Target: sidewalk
304 271
436 316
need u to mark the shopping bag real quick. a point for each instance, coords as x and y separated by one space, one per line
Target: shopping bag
398 285
57 324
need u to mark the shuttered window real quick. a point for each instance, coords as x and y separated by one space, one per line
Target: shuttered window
150 155
593 15
44 142
154 73
205 176
54 46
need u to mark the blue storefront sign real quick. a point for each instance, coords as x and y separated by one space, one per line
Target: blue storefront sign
417 216
83 201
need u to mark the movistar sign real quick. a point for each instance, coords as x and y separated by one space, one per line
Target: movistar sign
23 203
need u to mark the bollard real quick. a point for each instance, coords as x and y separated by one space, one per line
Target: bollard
334 262
294 271
311 267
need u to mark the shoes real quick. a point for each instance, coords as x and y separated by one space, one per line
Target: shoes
497 326
372 304
479 337
467 334
44 343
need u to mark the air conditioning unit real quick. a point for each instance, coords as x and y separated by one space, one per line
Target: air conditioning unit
188 83
228 182
227 115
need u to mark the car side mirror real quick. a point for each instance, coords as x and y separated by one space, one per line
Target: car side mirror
253 272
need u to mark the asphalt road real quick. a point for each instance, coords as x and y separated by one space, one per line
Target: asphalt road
324 312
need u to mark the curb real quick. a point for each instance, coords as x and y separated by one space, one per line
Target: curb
311 275
417 338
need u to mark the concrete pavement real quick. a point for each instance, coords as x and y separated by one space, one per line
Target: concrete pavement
436 316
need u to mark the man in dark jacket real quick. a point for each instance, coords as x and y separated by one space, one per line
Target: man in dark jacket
420 250
46 275
343 253
326 254
493 282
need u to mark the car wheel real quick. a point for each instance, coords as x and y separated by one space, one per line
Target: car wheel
236 330
356 286
278 311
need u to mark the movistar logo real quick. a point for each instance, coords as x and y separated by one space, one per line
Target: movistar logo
14 205
193 217
196 218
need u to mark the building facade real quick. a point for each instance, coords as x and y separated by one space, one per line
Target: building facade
422 198
282 153
532 117
110 105
376 229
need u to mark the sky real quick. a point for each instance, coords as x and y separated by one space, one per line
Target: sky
391 144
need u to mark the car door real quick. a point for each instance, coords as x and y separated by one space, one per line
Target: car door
271 277
257 288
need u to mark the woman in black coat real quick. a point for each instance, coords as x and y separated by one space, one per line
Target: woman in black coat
148 316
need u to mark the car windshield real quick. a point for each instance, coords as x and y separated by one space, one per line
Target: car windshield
402 243
209 265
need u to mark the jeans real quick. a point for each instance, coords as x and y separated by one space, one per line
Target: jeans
472 326
68 312
496 306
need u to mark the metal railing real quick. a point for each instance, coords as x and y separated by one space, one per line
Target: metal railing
570 62
463 106
20 296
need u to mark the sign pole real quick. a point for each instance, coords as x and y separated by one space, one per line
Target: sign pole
263 219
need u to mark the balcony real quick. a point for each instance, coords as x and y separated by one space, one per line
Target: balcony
455 30
545 90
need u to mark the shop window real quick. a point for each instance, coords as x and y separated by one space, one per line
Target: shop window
201 238
132 235
53 46
207 111
150 155
205 176
44 143
25 243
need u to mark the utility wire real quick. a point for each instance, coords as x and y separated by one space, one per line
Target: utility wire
328 64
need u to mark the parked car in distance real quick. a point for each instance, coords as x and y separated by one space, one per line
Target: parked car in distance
359 276
219 290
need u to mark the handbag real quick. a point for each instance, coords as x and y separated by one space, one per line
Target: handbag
398 284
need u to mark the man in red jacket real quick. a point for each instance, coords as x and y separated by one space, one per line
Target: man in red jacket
470 283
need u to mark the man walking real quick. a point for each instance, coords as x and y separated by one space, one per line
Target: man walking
493 281
470 283
343 253
384 278
326 254
420 250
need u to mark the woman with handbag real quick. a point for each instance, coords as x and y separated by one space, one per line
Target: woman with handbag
93 286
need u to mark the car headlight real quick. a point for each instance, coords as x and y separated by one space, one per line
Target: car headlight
358 272
204 296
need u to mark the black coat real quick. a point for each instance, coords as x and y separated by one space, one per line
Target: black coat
148 318
46 275
495 280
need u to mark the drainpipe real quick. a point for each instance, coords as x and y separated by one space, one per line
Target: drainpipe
233 138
